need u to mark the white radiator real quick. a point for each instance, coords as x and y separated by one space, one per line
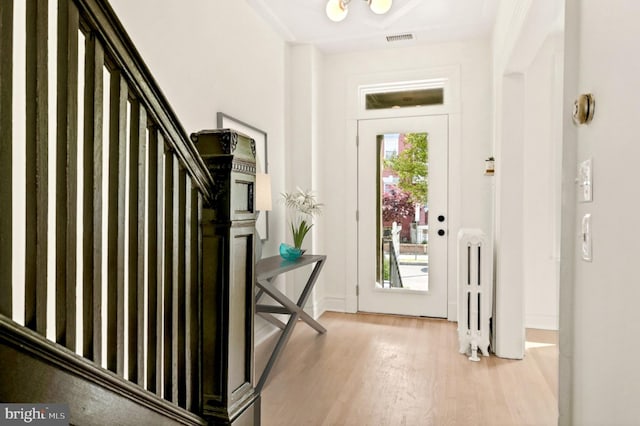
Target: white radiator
475 261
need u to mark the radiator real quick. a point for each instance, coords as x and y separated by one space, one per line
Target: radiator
475 261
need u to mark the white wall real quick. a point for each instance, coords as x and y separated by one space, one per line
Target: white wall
541 184
508 318
520 32
303 152
604 304
216 56
470 190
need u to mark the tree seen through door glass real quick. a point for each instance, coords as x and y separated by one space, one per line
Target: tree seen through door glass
403 231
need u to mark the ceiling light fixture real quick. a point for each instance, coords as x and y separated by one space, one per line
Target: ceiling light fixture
337 10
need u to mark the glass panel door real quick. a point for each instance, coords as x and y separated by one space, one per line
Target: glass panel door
402 200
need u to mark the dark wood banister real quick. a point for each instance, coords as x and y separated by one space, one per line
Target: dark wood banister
185 190
117 42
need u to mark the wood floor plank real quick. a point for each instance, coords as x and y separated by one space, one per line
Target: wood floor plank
389 370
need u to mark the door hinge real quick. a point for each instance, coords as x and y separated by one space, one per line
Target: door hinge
357 215
357 290
357 141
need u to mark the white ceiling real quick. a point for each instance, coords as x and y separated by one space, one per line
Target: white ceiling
305 21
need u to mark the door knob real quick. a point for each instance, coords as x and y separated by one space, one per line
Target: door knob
441 232
441 218
583 109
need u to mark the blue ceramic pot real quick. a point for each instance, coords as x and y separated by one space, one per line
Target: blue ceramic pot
289 252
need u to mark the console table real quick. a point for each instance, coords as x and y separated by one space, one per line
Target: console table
266 271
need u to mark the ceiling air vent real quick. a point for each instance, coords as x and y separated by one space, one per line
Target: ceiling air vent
399 37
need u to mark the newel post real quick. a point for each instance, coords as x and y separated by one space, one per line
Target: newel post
228 224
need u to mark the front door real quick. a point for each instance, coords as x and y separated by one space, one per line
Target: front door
402 215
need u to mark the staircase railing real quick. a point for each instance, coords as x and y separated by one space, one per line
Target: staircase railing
395 277
101 196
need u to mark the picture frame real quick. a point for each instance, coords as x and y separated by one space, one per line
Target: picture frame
225 121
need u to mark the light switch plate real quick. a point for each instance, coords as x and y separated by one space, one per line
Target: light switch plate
585 235
585 181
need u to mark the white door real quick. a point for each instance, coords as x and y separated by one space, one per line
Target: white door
402 271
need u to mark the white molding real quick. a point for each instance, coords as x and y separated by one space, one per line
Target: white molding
509 284
452 311
445 76
402 86
335 304
449 78
529 24
566 320
507 31
263 331
521 28
350 300
315 308
454 211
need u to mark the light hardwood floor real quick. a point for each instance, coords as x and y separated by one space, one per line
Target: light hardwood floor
389 370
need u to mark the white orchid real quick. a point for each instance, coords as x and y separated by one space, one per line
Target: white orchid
305 205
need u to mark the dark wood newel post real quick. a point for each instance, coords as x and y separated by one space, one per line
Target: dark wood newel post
228 224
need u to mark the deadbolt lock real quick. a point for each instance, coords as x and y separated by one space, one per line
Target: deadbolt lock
583 109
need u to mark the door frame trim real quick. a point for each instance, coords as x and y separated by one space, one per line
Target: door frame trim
452 108
448 262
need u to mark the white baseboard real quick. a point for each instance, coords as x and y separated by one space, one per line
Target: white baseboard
452 312
263 330
315 309
351 304
334 304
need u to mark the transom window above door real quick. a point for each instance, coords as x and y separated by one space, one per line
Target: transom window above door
400 95
405 99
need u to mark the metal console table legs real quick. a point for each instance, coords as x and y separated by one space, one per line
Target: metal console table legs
266 271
